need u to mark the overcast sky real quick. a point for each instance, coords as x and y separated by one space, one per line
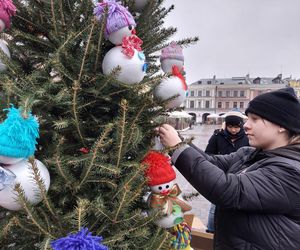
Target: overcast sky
238 37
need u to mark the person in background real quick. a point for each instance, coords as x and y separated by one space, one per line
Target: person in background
256 189
225 141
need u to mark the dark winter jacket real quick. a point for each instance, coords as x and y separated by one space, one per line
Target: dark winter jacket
220 142
257 194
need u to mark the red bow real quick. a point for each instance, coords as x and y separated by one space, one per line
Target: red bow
176 72
129 43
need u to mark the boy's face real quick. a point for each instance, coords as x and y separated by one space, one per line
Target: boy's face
233 129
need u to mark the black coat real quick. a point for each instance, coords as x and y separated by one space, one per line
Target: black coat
220 142
257 194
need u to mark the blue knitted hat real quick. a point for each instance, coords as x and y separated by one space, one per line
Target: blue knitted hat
18 135
118 16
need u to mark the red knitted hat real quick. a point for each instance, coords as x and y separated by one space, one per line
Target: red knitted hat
159 169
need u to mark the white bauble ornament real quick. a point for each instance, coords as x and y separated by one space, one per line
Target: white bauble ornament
132 69
2 25
167 65
139 5
24 175
6 51
117 36
9 160
170 87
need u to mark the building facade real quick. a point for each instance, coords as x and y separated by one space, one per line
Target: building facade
219 95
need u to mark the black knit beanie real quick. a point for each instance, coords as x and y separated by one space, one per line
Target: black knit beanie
234 120
281 107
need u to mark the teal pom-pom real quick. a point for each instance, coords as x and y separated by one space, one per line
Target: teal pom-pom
18 134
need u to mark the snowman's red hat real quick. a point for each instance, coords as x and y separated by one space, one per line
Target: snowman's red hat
159 169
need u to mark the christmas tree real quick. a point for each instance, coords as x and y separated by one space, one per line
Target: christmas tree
94 128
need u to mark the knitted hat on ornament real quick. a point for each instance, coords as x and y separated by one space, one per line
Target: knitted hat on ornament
18 134
7 10
118 16
159 169
173 51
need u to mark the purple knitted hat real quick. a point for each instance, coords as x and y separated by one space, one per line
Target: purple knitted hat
118 16
7 10
173 51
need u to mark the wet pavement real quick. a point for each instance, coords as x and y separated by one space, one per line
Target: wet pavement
201 134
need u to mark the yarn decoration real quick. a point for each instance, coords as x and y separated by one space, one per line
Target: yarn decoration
129 43
83 240
7 10
181 236
18 134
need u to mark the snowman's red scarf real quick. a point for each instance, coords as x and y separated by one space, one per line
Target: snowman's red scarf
176 72
160 201
129 43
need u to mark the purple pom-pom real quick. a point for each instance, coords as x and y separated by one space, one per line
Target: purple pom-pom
83 240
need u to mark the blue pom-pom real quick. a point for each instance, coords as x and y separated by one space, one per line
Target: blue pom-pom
18 134
83 240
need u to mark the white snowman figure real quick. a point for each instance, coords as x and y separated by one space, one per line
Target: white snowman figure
129 57
165 193
173 89
18 134
119 23
172 55
7 10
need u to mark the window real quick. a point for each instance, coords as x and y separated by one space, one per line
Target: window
207 104
227 93
240 82
221 83
235 93
199 82
242 93
199 105
219 93
207 93
192 93
241 105
208 82
227 105
234 104
192 104
219 105
199 93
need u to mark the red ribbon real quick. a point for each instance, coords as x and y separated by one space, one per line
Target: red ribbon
129 43
176 72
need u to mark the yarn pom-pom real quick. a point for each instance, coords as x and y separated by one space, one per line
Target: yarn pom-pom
18 134
83 240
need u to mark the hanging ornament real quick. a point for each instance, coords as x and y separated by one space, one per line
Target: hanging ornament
182 235
139 5
119 23
172 56
7 10
129 57
5 49
165 193
18 134
24 176
83 240
173 86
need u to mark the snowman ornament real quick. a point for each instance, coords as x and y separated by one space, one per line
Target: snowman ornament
18 134
129 57
172 89
119 23
165 193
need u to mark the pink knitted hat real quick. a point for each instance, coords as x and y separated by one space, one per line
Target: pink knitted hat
7 10
173 51
118 16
